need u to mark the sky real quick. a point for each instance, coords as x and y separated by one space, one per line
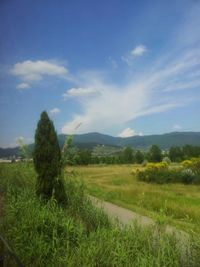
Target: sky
116 67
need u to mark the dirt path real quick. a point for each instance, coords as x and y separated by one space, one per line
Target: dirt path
127 217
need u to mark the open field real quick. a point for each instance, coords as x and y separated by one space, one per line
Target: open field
175 204
76 233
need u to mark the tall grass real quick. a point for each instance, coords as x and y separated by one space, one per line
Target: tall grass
118 184
78 234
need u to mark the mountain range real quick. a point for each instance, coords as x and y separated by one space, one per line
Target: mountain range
90 140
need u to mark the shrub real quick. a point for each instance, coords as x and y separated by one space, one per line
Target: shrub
160 173
144 163
157 166
159 176
167 160
187 176
186 163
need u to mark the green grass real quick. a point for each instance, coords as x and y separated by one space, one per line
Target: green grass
178 204
78 234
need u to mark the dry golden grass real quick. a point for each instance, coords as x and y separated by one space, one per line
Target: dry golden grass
176 204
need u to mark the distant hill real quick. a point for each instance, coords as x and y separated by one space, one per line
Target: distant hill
8 152
91 140
164 141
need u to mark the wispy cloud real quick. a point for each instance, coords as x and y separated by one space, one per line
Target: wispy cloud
31 71
23 86
129 132
183 85
54 111
80 92
113 63
139 96
139 50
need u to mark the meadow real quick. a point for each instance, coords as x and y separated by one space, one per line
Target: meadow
78 234
174 204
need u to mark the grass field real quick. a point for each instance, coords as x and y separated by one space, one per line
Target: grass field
78 234
175 204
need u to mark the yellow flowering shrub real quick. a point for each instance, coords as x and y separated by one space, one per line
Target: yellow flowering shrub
157 166
187 163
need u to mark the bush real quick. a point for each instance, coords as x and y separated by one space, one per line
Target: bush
186 163
159 176
160 173
167 160
144 163
157 166
187 176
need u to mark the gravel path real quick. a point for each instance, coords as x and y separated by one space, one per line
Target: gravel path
127 217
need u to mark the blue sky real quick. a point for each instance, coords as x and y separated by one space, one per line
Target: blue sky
117 67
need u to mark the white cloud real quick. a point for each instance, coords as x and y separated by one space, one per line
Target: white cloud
80 92
35 70
177 127
129 132
23 86
55 111
139 96
138 50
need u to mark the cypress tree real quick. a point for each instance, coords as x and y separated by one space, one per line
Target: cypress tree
47 160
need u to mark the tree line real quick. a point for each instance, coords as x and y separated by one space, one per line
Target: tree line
128 155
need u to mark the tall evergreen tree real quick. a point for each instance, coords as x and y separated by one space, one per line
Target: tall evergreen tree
47 160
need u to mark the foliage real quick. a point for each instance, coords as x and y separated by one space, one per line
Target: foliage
128 155
157 166
67 151
102 154
160 176
167 160
155 154
139 157
24 151
144 163
160 173
47 161
82 157
176 154
187 176
187 163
